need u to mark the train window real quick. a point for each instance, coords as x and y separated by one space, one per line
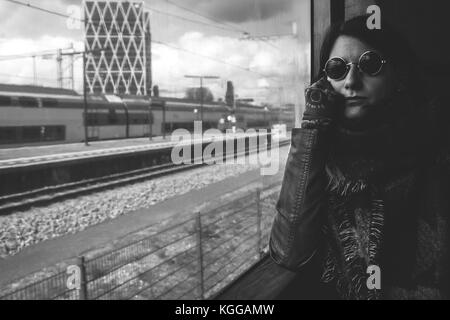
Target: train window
23 134
31 134
92 119
8 135
179 125
49 103
258 124
112 116
72 104
138 118
53 133
28 102
5 101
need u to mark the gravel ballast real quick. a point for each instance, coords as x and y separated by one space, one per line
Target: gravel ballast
22 229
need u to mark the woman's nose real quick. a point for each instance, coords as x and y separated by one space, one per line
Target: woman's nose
353 78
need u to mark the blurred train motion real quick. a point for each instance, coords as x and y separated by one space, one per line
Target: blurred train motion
37 116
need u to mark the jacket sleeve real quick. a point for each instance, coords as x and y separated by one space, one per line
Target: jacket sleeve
296 231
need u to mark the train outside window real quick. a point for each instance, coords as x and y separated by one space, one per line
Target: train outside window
49 103
8 135
112 116
27 102
5 101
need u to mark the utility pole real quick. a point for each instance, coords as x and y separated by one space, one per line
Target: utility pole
59 68
85 118
83 53
34 71
150 117
201 90
72 69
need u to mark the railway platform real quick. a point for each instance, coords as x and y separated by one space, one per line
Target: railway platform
35 154
37 168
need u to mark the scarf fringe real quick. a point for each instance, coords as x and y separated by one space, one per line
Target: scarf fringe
349 272
338 184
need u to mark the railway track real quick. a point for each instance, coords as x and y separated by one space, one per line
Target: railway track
45 196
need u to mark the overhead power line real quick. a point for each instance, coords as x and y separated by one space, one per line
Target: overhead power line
40 9
206 16
225 26
24 77
245 32
192 20
62 15
208 57
153 41
30 54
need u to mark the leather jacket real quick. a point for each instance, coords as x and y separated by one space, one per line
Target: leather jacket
296 231
296 237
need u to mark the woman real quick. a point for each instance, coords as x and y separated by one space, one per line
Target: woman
367 179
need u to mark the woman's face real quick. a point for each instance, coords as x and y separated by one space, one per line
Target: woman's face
364 94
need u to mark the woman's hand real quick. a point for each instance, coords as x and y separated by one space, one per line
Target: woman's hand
322 104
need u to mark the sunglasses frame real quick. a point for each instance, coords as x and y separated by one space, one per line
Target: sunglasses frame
349 64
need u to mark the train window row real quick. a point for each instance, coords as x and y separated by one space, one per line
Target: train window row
258 124
120 119
5 101
10 135
30 102
171 126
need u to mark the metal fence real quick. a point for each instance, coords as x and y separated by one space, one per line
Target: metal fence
193 259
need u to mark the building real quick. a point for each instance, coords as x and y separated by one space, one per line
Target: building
117 33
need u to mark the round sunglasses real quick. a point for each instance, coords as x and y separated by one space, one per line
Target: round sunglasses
369 62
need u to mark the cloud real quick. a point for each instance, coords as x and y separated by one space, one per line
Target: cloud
239 11
20 21
270 68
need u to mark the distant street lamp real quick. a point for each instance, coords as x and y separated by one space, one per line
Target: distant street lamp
196 113
150 118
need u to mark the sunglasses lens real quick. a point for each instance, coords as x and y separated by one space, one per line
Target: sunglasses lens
370 63
335 68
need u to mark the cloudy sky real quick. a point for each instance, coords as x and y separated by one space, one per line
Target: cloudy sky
277 68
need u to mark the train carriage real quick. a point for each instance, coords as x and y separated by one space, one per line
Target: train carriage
38 116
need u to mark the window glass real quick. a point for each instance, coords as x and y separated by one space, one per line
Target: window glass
261 46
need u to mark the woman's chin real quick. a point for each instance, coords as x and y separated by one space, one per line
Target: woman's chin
360 119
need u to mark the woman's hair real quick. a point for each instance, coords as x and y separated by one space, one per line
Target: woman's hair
393 46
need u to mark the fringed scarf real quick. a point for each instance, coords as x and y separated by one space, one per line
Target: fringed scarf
354 230
386 167
360 170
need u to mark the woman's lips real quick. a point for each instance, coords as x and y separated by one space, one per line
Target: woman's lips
355 101
355 108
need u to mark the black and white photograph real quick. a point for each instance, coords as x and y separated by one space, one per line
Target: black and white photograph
224 156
